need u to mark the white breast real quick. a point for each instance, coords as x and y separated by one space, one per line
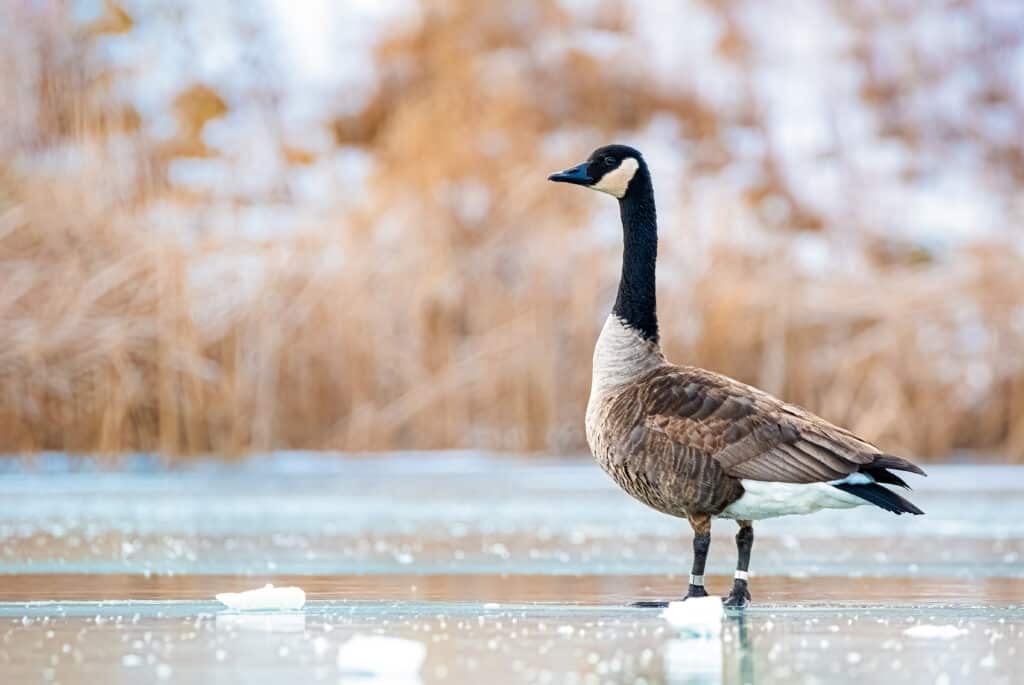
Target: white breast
620 357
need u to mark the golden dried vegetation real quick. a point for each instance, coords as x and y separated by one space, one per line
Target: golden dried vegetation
457 305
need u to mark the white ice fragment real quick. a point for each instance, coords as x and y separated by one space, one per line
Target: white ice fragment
696 616
946 632
267 597
379 655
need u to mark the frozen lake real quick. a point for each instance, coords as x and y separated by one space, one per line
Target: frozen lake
507 570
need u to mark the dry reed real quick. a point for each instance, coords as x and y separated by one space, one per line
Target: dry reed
463 328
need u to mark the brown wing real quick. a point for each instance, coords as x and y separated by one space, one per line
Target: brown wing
752 434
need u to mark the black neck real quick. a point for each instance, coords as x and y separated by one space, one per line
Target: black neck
636 303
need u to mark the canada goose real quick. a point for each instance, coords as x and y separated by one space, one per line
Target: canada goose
696 444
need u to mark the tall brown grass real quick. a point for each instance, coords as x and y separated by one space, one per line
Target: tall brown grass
416 322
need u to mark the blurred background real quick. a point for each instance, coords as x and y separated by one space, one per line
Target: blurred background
234 227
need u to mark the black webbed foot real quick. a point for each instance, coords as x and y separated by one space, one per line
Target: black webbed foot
695 591
739 598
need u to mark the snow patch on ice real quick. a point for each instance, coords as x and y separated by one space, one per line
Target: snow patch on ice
267 597
696 616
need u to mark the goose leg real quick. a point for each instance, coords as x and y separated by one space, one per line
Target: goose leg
740 595
701 543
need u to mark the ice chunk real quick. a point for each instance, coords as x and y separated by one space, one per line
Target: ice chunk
379 655
696 616
267 597
946 632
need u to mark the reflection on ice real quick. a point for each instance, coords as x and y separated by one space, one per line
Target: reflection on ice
387 679
262 623
394 658
946 632
693 661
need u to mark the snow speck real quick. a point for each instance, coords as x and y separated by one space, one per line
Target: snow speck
945 632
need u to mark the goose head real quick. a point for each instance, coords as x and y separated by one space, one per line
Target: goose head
609 169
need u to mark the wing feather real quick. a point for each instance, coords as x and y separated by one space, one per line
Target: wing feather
752 434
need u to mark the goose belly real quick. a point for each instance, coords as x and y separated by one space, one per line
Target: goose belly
646 486
763 499
652 469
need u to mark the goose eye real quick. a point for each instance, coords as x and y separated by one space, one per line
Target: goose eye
610 161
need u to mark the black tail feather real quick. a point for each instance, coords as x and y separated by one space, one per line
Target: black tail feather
880 497
889 461
883 476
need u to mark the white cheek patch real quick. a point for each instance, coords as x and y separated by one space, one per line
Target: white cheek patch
616 181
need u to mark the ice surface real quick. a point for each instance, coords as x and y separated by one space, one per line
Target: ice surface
534 586
696 616
266 597
307 514
88 643
380 655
